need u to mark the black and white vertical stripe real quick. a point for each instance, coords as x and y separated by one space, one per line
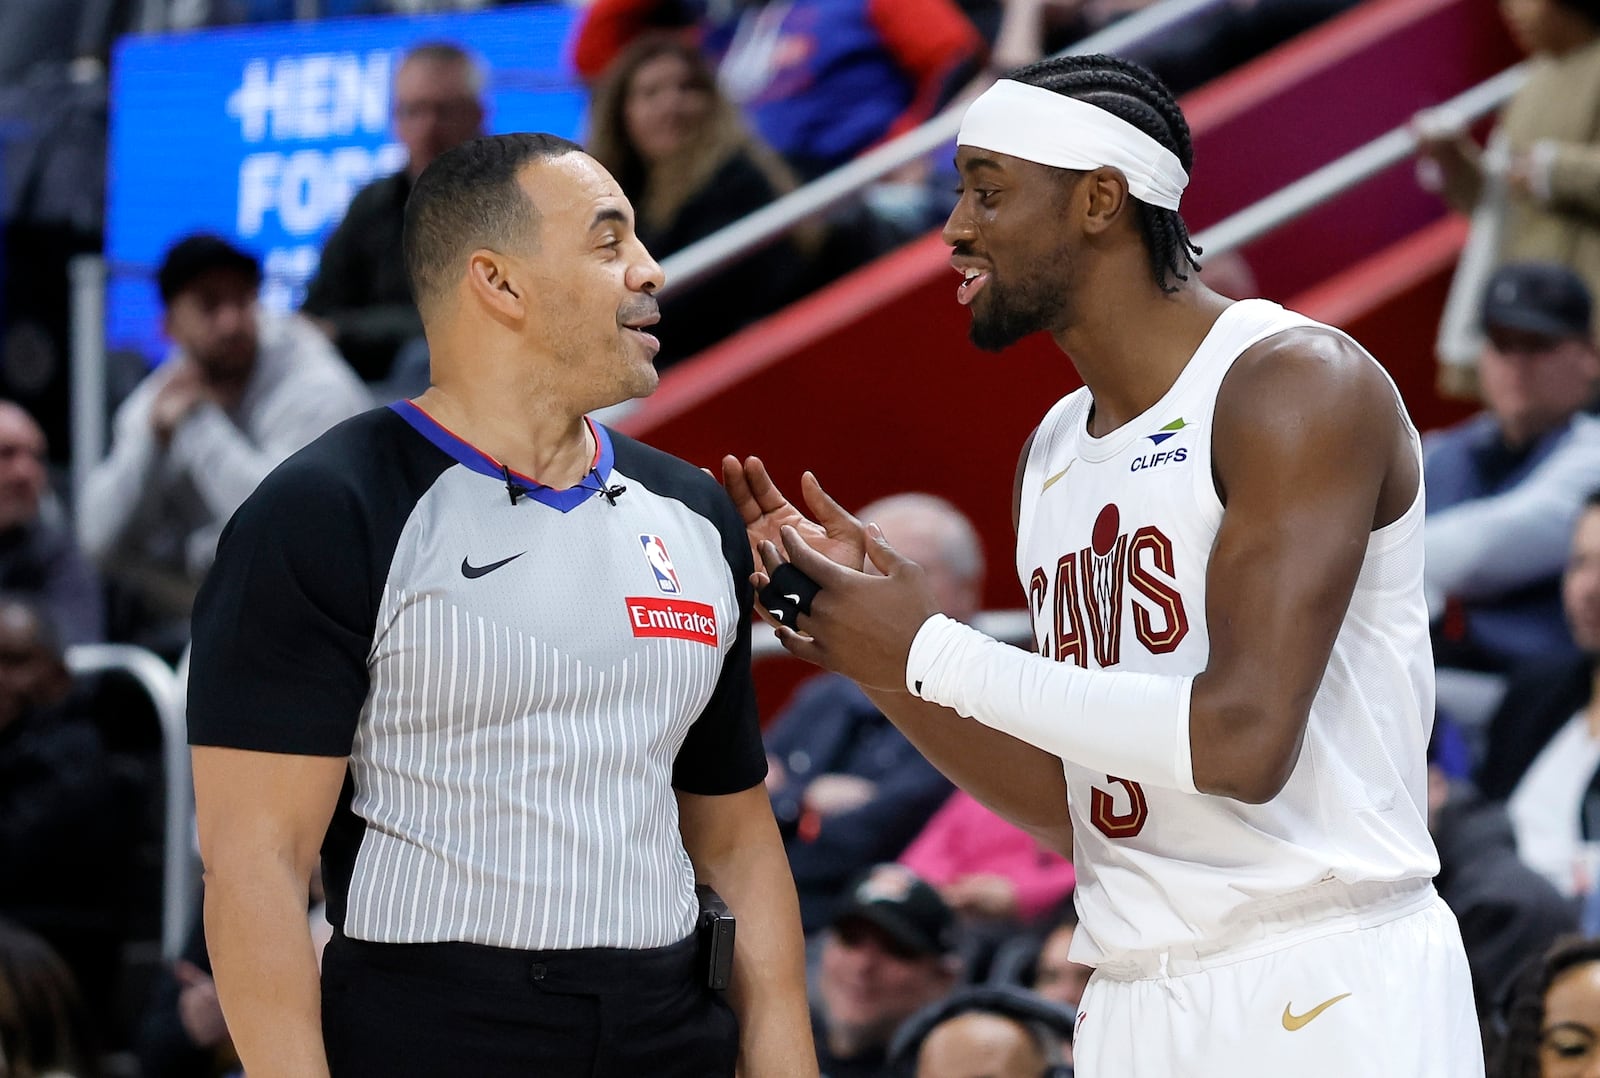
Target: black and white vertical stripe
501 782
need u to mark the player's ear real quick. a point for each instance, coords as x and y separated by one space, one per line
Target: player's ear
1105 195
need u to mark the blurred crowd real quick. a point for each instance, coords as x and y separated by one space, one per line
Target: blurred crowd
938 933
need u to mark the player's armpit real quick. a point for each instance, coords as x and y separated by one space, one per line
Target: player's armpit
1311 454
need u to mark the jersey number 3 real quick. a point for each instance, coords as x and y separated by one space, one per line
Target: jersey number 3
1087 595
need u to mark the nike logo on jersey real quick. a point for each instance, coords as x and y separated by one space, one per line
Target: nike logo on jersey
1048 483
1292 1021
473 572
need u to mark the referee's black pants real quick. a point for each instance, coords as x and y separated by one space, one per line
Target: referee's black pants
435 1010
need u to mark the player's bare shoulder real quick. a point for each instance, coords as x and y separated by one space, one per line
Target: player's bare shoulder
1308 396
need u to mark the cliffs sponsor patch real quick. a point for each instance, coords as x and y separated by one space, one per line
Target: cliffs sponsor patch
676 619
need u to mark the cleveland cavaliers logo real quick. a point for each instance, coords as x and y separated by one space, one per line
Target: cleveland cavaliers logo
1088 592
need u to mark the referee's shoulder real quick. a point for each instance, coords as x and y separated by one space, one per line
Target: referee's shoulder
668 475
341 467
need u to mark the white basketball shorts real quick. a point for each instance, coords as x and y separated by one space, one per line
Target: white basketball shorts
1375 985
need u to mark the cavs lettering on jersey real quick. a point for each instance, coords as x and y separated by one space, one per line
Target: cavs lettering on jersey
1114 539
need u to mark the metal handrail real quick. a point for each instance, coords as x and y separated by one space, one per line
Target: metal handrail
1357 166
704 257
180 877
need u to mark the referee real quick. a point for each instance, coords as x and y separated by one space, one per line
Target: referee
492 659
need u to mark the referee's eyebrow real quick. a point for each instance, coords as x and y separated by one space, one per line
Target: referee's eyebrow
608 215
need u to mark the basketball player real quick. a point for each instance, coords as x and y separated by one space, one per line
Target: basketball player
1220 538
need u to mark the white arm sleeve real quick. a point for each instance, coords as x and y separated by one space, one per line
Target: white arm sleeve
1128 725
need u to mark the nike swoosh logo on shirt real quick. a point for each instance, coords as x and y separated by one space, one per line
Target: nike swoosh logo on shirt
1048 483
473 572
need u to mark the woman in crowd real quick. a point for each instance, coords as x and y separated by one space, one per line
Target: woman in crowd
689 165
1552 1023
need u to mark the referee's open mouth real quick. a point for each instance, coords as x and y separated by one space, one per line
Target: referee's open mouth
635 320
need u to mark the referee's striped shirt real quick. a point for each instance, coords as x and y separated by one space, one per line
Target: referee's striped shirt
519 687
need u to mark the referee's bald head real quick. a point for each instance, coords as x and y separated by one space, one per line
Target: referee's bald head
467 199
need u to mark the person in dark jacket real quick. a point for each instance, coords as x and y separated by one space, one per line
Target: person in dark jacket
686 161
63 815
360 295
1507 911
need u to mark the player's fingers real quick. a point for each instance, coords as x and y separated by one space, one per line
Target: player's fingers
759 580
819 567
771 557
801 647
835 519
738 488
762 488
885 557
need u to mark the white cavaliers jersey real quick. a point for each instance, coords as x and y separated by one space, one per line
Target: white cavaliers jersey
1113 545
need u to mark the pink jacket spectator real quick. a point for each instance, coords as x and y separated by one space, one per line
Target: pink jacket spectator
966 839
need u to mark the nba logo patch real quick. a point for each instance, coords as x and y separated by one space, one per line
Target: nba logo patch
660 562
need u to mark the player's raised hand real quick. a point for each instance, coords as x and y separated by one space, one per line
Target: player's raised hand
858 625
830 530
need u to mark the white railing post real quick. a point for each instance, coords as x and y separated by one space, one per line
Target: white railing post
87 280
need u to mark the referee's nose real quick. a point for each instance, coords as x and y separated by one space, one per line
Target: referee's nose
645 274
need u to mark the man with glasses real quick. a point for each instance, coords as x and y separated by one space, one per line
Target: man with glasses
360 296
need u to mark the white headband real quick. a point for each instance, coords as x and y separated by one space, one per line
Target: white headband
1043 126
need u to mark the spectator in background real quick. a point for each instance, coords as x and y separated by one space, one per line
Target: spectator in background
1505 486
847 788
1552 1017
1056 976
1209 43
1506 910
1536 192
888 954
992 873
39 556
986 1032
63 823
683 156
239 392
360 296
821 80
44 1032
1543 752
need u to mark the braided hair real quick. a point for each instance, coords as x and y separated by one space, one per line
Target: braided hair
1517 1054
1132 93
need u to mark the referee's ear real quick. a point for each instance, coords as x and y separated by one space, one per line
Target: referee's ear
492 283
